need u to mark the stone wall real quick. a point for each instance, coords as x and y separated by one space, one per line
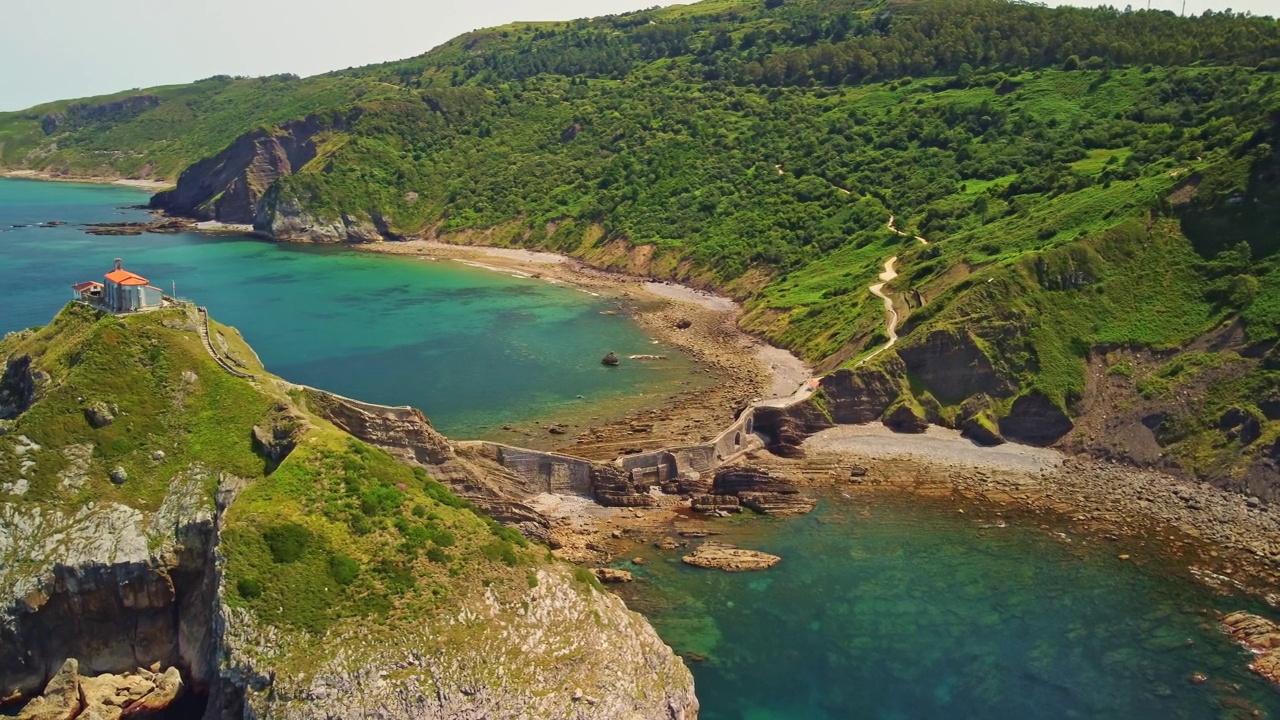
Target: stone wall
559 474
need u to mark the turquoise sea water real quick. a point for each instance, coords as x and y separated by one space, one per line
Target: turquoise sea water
897 609
472 348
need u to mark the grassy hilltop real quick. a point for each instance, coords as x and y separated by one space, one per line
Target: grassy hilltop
338 530
333 564
1096 186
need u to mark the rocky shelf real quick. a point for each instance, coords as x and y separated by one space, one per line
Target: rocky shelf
723 556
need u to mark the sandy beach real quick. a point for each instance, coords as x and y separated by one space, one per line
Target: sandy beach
152 185
743 368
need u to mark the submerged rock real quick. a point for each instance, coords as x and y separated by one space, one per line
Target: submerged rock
611 359
723 556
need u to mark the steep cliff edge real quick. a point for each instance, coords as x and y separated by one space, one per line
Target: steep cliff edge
229 186
140 528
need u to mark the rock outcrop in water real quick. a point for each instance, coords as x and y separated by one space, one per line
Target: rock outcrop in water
723 556
1261 637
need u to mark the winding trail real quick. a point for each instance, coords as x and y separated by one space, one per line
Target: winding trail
894 229
891 327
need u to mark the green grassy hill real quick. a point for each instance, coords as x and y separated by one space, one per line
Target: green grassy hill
328 562
339 529
1090 181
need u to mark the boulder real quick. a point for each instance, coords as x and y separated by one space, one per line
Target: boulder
1242 425
756 489
667 543
61 698
610 575
100 414
710 503
684 324
614 488
118 475
1270 408
611 359
722 556
981 430
735 479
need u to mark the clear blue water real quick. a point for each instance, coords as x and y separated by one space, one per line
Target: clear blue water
472 348
897 609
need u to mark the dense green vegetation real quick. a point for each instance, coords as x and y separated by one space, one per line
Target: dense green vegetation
1086 177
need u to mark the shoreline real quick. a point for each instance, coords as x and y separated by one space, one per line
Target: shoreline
1229 542
745 368
139 184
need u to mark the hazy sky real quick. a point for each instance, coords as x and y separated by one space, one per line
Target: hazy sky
56 49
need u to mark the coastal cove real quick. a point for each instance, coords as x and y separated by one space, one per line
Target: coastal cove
882 607
898 606
475 349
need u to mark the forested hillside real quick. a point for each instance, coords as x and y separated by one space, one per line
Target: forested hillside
1098 190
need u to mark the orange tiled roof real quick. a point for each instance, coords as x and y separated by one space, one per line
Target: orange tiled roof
85 286
124 277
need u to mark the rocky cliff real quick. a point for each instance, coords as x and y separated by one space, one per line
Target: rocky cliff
238 186
149 556
229 186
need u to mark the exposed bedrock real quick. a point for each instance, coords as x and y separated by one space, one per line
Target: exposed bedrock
864 394
1034 419
109 587
19 386
785 428
952 366
473 470
284 218
229 186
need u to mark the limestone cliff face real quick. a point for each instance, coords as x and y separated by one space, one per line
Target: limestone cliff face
238 185
283 217
107 584
563 650
229 186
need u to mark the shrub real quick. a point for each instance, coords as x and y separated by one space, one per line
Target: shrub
500 550
249 588
509 534
380 499
288 542
344 569
436 555
397 578
443 538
